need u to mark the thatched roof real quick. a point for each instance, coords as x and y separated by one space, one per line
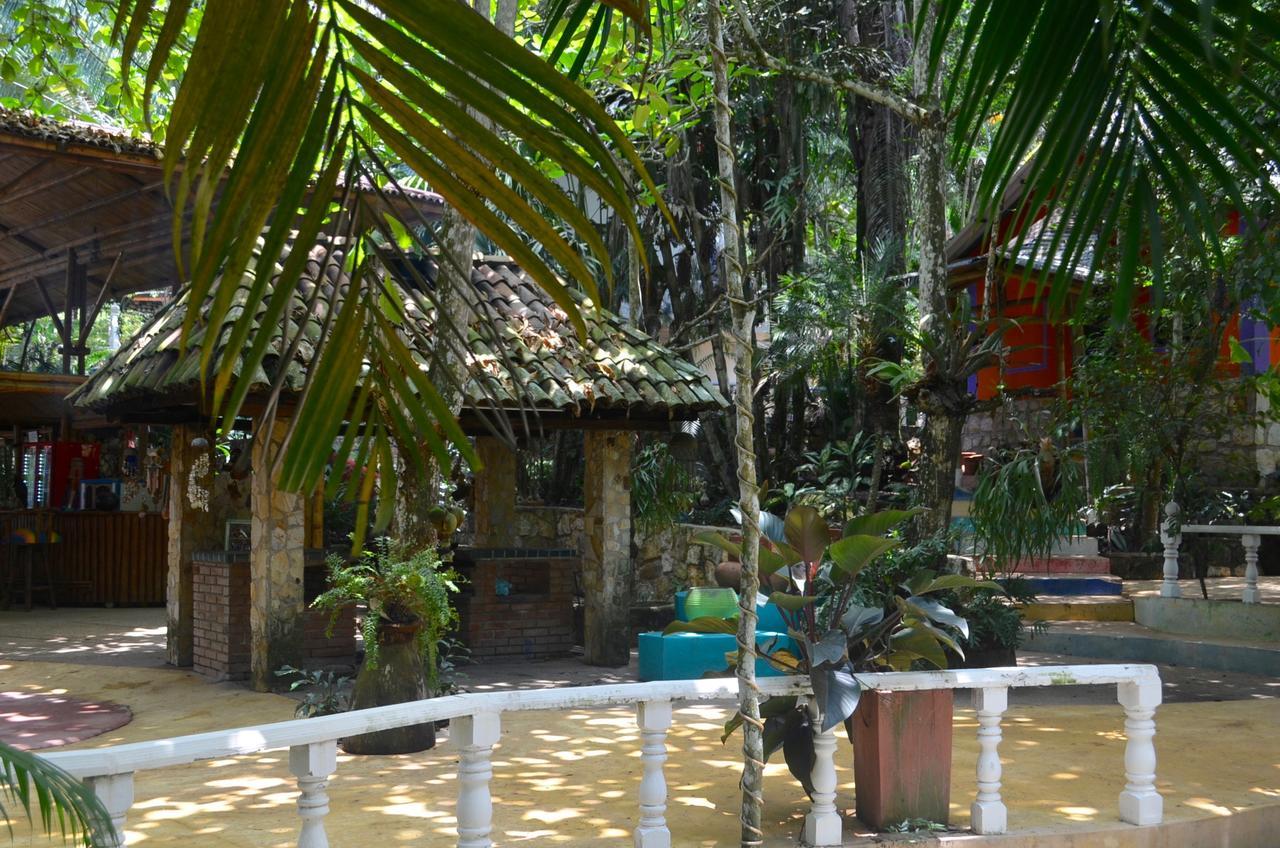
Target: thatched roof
527 356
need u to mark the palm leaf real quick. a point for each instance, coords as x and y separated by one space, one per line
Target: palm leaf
48 796
278 100
1125 105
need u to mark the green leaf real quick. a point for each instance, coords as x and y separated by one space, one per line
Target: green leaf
960 581
807 532
918 643
705 624
711 537
879 523
836 692
853 553
828 651
791 603
935 611
1239 356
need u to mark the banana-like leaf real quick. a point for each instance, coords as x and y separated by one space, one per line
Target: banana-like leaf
853 553
791 603
959 581
807 532
775 707
857 619
829 651
705 624
934 611
878 523
711 537
836 692
912 643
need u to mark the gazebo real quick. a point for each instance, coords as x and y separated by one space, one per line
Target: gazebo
528 365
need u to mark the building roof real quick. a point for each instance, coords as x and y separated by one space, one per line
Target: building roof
70 189
527 355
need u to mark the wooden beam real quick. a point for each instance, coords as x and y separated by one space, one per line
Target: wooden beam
68 297
86 324
66 177
51 259
68 214
4 310
48 302
110 160
27 174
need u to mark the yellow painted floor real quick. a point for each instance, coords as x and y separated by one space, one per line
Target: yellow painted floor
571 778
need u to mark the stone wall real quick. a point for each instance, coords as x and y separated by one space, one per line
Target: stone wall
1018 421
665 560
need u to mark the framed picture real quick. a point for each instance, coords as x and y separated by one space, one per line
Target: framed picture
239 536
101 494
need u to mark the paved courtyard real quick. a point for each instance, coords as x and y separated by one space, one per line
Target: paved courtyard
571 777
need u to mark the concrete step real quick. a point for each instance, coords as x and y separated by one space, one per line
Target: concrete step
1074 584
1081 608
1069 546
1127 642
1081 564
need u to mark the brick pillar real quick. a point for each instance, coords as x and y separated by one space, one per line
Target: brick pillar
606 548
192 527
276 569
495 493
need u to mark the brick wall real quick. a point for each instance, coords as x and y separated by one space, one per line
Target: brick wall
221 622
221 617
532 624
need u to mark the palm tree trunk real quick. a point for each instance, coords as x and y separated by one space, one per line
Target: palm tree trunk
743 318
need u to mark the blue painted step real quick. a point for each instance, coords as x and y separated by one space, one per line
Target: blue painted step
1063 585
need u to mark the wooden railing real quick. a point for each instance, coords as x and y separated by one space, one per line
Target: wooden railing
477 722
1171 533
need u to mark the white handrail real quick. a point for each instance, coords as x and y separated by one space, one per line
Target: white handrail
311 741
1250 539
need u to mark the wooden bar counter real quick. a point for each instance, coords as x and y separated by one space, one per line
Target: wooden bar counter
112 558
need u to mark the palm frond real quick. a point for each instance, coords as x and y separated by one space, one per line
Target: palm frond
50 798
288 116
1130 109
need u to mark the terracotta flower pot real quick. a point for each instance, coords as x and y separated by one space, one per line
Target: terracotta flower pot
398 677
902 756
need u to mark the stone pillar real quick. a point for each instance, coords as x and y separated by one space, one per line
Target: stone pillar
278 530
192 527
495 493
606 548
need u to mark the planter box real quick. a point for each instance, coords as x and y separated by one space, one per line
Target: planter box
902 756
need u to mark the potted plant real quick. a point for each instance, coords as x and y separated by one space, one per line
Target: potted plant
408 613
842 626
997 625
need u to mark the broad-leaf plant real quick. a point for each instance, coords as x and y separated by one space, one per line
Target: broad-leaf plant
837 638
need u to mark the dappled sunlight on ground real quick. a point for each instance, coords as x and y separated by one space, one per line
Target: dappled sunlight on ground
571 778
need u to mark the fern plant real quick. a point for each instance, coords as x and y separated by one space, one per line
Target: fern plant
397 586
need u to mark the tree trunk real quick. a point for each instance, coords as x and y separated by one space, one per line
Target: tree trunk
743 340
944 397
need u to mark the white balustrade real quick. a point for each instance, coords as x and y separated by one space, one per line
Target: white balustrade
476 728
988 812
1250 539
311 765
115 791
822 825
475 737
653 718
1171 538
1251 543
1139 802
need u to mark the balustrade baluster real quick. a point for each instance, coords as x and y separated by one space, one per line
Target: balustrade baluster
115 791
1251 542
988 812
1139 802
822 825
312 765
1172 540
475 737
653 718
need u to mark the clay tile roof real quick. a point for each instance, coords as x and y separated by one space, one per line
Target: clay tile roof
525 354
